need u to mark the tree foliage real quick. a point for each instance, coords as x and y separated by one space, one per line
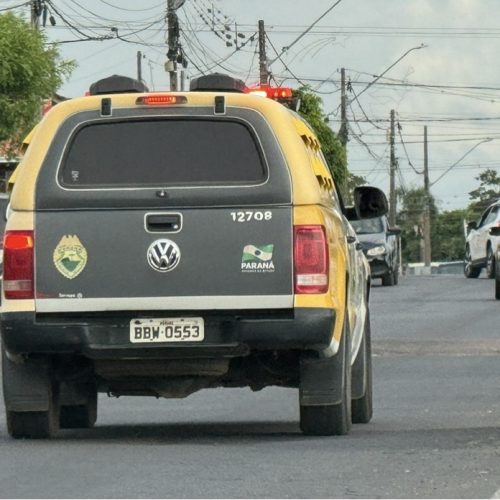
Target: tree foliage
447 228
487 192
30 71
448 235
311 110
352 182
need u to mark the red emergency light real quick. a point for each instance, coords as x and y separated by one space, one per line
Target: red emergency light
276 93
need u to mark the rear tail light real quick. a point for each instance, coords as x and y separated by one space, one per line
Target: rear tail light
310 255
18 268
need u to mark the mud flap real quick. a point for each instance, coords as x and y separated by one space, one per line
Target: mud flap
359 382
27 386
321 379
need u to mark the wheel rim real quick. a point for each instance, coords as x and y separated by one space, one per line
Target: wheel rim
467 261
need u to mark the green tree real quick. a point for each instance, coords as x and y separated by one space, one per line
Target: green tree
30 71
352 181
311 109
447 229
487 192
410 220
448 235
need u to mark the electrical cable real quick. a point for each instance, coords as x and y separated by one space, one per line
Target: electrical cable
104 18
132 10
283 62
73 27
14 6
288 47
459 160
361 108
255 52
406 151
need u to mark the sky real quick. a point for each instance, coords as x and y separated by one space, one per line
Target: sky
447 78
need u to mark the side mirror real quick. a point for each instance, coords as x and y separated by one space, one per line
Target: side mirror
471 225
495 231
370 202
394 231
6 213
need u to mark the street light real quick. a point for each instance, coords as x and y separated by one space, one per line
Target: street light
421 46
488 139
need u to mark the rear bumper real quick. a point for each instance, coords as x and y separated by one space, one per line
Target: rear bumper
106 336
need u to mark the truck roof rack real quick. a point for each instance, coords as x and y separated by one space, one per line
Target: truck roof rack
117 84
217 82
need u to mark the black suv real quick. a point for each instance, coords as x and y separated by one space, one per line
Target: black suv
381 246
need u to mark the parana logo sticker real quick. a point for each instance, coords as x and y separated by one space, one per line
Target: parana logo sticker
257 259
70 256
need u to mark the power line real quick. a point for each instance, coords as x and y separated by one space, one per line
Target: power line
421 46
72 26
349 87
133 10
406 151
283 62
288 47
15 6
467 139
488 139
441 120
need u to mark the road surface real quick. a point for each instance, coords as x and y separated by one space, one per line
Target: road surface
435 431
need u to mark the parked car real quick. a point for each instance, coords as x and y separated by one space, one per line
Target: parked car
161 243
381 246
480 244
495 232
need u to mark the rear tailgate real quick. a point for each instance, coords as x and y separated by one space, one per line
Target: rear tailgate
107 260
163 212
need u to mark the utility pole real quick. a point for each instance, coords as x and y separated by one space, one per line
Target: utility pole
36 12
343 132
173 43
264 72
427 211
392 187
139 65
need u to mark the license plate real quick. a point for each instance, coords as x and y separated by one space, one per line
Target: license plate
145 331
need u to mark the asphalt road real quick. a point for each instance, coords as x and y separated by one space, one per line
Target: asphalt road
435 432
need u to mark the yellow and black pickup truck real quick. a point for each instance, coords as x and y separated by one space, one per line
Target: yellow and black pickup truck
161 243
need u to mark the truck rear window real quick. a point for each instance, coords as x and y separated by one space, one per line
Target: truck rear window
162 152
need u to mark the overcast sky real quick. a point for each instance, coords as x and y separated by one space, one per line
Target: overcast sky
452 85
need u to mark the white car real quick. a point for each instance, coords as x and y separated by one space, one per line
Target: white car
481 245
495 231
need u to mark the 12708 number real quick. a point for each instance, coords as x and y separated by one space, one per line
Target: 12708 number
250 215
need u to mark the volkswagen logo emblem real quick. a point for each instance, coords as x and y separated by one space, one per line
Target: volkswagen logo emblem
163 255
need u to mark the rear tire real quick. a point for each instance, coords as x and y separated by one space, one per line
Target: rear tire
362 408
490 263
395 275
388 279
497 278
469 270
332 420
